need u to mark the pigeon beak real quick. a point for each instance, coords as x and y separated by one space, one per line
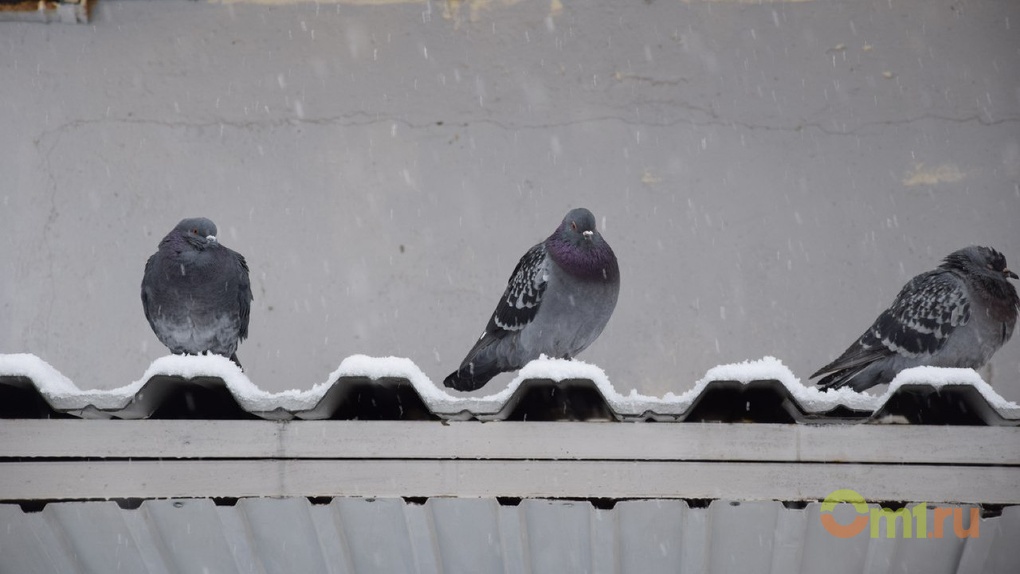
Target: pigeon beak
587 234
211 238
1009 274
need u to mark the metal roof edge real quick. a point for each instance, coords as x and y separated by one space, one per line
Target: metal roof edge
763 390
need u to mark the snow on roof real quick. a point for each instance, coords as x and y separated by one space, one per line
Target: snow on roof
50 382
63 395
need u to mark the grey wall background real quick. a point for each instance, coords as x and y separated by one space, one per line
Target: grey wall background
769 175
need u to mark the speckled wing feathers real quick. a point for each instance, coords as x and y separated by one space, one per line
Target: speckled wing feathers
519 303
923 315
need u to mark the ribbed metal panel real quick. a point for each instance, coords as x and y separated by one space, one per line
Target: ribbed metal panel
366 388
350 535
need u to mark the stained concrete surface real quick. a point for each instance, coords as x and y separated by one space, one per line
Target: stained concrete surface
768 174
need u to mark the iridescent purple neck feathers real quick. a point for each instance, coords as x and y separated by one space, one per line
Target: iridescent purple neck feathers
591 260
579 249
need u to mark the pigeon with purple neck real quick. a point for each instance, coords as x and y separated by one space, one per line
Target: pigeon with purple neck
556 303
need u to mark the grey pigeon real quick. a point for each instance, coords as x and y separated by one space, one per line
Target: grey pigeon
957 315
196 293
558 300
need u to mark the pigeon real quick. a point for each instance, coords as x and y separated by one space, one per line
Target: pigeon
195 292
556 303
957 315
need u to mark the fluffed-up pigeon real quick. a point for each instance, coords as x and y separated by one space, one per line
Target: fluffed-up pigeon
957 315
196 293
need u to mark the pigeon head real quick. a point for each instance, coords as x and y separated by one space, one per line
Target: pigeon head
996 263
197 231
987 268
578 247
980 261
578 227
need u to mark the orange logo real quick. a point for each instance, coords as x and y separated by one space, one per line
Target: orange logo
914 520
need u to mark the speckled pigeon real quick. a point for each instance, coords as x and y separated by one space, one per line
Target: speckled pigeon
196 293
957 315
558 300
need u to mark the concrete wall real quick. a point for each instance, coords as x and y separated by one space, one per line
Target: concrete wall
768 174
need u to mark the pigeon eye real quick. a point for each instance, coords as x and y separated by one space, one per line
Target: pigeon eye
573 226
195 231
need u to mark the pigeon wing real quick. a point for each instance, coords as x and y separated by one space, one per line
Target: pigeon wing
244 296
523 296
926 311
146 278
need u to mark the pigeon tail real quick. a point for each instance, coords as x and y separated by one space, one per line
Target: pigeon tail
841 378
848 369
464 379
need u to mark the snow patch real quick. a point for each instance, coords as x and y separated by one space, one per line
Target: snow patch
49 381
560 370
397 367
939 377
770 368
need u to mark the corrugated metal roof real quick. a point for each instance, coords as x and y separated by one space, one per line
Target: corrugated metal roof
389 389
213 475
347 535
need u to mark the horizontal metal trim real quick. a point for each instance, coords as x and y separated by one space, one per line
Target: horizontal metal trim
187 439
516 478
